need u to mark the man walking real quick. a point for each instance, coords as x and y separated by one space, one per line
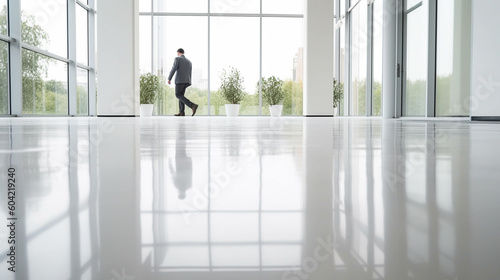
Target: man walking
183 67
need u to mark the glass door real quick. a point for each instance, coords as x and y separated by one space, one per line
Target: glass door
415 58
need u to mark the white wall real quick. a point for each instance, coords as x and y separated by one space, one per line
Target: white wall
485 74
318 58
118 57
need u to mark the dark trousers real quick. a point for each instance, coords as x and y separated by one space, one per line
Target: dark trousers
180 90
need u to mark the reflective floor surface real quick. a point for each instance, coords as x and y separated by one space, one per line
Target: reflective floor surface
248 198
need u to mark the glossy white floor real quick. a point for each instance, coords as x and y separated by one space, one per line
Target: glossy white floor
250 198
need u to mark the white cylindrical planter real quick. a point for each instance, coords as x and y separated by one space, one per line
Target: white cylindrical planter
335 111
147 110
275 110
232 110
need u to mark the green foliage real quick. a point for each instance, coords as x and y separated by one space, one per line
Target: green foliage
377 99
272 90
217 101
3 78
166 103
82 100
3 64
3 20
416 97
34 69
231 86
149 84
293 99
250 105
338 93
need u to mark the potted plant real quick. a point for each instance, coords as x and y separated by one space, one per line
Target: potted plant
338 94
149 84
231 89
273 94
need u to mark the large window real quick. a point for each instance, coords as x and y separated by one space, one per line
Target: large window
453 58
176 6
4 60
45 88
359 37
4 78
378 21
359 26
82 41
217 35
283 57
45 25
193 39
82 91
239 50
415 89
49 83
236 7
3 17
283 7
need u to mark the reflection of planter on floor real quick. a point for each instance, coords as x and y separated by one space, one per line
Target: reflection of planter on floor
232 110
275 110
147 110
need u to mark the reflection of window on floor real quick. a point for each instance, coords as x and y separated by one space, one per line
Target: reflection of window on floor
247 225
60 204
432 180
358 208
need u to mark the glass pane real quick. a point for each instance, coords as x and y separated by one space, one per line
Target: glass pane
44 25
4 77
184 6
82 40
283 6
411 3
144 5
358 60
342 74
235 6
82 92
235 42
86 2
3 17
378 20
45 84
193 38
416 62
283 57
453 58
145 44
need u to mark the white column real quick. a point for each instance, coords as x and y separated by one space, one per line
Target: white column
318 58
485 76
389 64
118 58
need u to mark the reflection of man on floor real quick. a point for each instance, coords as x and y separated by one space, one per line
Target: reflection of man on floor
183 173
183 67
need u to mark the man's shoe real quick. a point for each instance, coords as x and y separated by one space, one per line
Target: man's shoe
194 109
180 114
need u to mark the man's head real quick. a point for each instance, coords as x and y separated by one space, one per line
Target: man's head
180 52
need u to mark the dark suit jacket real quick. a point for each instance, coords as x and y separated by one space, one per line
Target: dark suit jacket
183 67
